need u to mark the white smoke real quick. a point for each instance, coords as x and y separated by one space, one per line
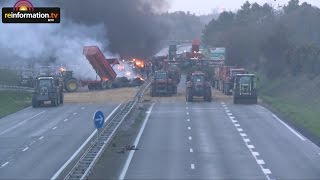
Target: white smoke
63 42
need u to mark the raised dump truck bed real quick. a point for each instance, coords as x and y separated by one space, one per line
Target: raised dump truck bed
102 66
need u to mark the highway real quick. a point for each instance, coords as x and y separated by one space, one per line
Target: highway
35 143
219 140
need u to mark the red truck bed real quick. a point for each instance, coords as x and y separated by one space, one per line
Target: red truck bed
99 63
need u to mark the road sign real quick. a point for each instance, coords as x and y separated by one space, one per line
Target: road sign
98 119
218 53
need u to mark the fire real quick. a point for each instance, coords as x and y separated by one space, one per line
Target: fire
62 69
138 63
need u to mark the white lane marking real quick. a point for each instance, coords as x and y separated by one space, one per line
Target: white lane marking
240 129
192 166
65 120
75 154
229 114
260 161
54 128
319 153
189 128
20 123
74 113
222 103
227 111
225 107
191 150
246 140
255 153
41 137
287 126
234 121
188 120
243 134
190 138
266 171
136 142
187 113
4 164
25 149
237 125
231 117
250 146
187 107
82 108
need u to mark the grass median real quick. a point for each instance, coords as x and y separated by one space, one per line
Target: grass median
13 101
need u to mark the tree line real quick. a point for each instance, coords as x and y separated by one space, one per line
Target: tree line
276 41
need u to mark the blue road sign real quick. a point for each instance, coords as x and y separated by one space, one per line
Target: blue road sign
98 119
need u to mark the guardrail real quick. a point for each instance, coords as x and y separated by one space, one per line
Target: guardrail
81 168
15 88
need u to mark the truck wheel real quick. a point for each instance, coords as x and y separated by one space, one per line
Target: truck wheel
71 85
109 84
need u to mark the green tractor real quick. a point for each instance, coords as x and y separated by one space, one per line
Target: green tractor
70 83
244 89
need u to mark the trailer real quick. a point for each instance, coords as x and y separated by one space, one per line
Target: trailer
102 66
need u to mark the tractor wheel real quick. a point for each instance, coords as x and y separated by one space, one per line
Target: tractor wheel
71 85
61 98
175 90
35 103
90 87
190 95
54 102
255 100
209 95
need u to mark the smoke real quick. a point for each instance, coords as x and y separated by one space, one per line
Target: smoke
134 27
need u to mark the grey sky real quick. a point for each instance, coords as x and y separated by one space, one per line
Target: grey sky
206 6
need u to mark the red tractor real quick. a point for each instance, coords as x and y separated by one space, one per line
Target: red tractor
161 84
198 86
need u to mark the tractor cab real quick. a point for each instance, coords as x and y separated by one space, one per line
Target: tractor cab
245 89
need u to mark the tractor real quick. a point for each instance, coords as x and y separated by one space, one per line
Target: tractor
197 85
244 89
71 84
47 89
161 84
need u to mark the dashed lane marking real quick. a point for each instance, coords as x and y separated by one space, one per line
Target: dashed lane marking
4 164
25 149
188 120
193 166
237 125
266 171
227 111
191 150
65 120
250 146
189 128
82 108
255 153
41 137
229 114
246 140
190 138
240 129
54 128
243 134
234 121
260 161
74 113
187 113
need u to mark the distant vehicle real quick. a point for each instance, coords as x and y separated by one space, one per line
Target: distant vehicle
47 89
70 83
198 86
27 78
245 90
161 84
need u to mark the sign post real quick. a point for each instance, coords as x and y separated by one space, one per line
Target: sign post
98 120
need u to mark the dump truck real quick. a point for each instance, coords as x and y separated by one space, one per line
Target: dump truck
244 89
161 84
47 88
102 66
197 85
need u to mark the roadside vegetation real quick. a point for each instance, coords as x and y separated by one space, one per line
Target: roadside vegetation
283 45
13 101
8 77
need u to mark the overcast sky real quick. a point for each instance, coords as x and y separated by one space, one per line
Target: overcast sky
206 6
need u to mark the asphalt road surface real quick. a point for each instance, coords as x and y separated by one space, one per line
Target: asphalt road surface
35 143
219 140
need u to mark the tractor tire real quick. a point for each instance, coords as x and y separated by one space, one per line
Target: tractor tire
71 85
35 103
175 90
190 95
54 102
255 100
209 95
90 87
61 98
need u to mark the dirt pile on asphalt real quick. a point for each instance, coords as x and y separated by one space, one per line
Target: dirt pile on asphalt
111 95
